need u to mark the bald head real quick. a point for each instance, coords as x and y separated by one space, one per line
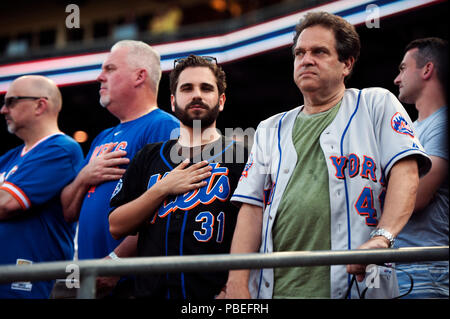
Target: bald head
39 86
31 108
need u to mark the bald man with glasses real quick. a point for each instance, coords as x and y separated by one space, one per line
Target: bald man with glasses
32 175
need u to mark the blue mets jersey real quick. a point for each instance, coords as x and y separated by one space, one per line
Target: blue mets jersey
94 238
35 178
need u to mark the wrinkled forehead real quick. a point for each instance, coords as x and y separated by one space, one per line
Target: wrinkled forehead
316 36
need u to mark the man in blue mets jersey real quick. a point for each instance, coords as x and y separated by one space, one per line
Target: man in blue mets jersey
128 89
32 175
175 194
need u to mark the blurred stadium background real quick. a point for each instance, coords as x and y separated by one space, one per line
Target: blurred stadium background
251 39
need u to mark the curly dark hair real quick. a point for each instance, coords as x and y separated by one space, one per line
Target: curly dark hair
198 61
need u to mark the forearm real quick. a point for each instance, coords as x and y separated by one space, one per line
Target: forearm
9 206
128 247
99 170
246 239
400 196
398 207
430 183
424 197
125 219
72 198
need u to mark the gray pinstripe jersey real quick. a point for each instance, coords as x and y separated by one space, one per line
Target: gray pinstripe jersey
370 133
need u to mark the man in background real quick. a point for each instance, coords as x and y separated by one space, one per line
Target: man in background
128 89
423 81
32 175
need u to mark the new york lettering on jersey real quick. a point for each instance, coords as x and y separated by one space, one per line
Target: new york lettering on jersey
117 146
364 205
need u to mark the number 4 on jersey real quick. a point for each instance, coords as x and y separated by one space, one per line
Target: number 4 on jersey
365 206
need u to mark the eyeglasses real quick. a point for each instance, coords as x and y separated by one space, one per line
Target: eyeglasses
11 100
207 58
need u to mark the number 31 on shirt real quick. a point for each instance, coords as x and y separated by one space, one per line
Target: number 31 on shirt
208 224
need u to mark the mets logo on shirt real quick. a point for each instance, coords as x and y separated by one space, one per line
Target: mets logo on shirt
247 167
400 125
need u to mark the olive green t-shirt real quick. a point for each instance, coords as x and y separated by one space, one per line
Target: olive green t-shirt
303 216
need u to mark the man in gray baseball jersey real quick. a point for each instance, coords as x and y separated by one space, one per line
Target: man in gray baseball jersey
422 81
339 172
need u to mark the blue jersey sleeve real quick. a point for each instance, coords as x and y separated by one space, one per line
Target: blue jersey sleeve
43 173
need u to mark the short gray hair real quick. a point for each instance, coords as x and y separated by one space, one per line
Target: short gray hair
142 55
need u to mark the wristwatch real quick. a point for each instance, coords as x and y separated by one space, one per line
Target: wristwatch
383 232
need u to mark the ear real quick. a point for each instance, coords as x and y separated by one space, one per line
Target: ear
427 70
222 99
41 107
141 76
348 65
172 102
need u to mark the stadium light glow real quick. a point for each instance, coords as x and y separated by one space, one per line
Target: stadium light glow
256 39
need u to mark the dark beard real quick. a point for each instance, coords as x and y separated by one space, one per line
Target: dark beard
205 120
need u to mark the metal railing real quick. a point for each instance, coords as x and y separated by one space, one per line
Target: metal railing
90 269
